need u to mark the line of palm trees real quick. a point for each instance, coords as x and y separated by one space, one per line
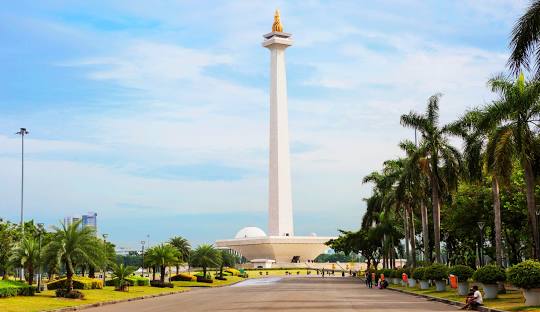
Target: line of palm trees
496 136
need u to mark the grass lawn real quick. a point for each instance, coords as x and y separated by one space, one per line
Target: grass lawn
511 301
230 280
47 301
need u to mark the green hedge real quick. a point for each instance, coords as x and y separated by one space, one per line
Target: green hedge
436 272
489 274
78 283
131 281
418 273
462 272
525 274
15 288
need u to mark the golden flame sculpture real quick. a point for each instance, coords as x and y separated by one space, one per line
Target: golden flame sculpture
277 27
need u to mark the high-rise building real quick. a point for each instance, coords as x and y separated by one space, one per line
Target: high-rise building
89 219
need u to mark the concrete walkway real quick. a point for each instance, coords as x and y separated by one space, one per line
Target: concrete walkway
284 294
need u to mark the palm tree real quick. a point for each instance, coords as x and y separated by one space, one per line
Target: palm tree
227 259
442 157
120 274
205 256
163 255
512 115
72 244
26 255
525 42
182 245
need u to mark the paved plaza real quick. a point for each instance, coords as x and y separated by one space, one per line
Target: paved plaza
284 294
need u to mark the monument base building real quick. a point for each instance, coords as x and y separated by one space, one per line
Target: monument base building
280 246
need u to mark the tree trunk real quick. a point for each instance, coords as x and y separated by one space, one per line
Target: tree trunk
153 273
204 271
497 214
406 228
436 216
69 276
162 274
425 230
30 270
177 269
531 206
412 237
92 272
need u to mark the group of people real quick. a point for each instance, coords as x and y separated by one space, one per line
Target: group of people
372 280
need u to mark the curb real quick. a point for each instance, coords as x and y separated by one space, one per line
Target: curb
446 301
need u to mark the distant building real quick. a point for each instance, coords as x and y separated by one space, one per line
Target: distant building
89 219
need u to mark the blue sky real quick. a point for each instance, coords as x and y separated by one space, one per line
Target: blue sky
154 114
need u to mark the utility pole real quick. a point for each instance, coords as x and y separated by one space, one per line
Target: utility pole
105 264
22 132
142 265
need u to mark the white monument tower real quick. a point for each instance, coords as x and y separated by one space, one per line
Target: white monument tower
280 246
280 215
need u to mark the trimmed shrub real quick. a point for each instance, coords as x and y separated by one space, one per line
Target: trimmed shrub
395 273
525 274
436 272
15 288
233 271
74 294
131 281
462 272
183 277
221 278
157 283
78 283
489 274
202 279
418 273
225 273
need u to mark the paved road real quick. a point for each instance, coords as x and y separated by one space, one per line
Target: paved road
284 294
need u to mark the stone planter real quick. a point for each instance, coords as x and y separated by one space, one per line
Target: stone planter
532 296
440 285
412 282
424 284
395 280
490 291
463 288
403 283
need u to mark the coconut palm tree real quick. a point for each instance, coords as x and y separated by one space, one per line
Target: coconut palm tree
205 256
163 255
443 159
227 259
525 42
72 244
26 255
513 114
182 245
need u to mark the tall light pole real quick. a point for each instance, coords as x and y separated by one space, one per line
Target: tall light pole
40 229
105 264
22 132
480 251
142 264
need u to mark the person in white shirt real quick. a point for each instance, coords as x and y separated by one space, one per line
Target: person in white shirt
474 299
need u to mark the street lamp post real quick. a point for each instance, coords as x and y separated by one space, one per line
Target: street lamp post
40 227
22 132
142 264
105 264
480 251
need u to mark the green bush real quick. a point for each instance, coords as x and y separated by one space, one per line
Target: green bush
387 272
183 277
74 294
131 281
15 288
462 272
436 272
202 279
395 273
489 274
525 274
418 273
78 283
158 283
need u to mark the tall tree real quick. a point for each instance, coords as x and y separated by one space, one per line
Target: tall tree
163 255
184 248
525 42
516 110
72 244
443 159
205 256
26 255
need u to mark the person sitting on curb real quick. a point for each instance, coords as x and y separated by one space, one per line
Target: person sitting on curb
473 301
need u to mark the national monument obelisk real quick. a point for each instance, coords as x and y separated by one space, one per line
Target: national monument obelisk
280 247
280 215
